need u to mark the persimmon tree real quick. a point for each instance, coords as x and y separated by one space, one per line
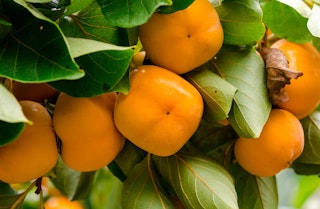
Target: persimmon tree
85 48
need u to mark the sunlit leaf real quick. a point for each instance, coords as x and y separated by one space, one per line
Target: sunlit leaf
74 184
313 22
38 1
131 13
244 69
311 150
38 56
142 189
300 6
198 181
276 15
217 93
241 21
308 185
255 192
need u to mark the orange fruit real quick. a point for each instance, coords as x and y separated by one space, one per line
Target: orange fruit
62 202
183 40
87 131
161 111
34 153
37 92
304 92
280 143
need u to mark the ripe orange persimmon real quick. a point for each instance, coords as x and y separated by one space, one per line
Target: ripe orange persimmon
280 143
62 202
161 111
87 131
183 40
304 92
34 152
37 92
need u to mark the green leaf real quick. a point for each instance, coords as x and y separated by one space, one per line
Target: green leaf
91 24
217 93
300 6
129 156
142 188
77 5
307 186
35 49
313 22
74 184
104 64
5 27
276 15
9 131
5 189
129 14
198 181
306 168
244 69
241 21
177 5
38 1
255 192
311 150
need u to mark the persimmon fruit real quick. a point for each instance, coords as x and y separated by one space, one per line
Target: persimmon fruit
37 92
304 92
280 143
62 202
34 152
85 126
183 40
161 111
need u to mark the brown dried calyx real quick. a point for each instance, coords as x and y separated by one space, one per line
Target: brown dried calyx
278 74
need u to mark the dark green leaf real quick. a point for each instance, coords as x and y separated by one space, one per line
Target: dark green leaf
128 14
276 15
105 66
76 6
177 5
142 188
5 27
241 21
90 23
198 181
74 184
129 156
306 169
311 150
5 189
255 192
9 131
217 93
38 56
244 69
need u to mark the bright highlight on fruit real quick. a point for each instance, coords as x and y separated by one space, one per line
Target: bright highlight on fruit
34 153
280 143
160 112
183 40
87 131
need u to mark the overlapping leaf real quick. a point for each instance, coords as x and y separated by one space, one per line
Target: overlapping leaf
142 189
5 27
38 56
277 14
255 192
198 181
313 21
241 21
216 92
244 69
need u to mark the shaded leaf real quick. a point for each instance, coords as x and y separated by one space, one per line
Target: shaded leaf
105 66
76 6
255 192
277 14
142 188
39 56
9 131
216 92
311 150
74 184
177 5
90 23
241 21
128 14
306 168
198 181
5 189
5 27
244 69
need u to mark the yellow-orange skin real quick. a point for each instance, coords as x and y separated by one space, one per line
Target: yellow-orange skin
161 111
34 153
183 40
62 202
87 131
280 143
304 92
